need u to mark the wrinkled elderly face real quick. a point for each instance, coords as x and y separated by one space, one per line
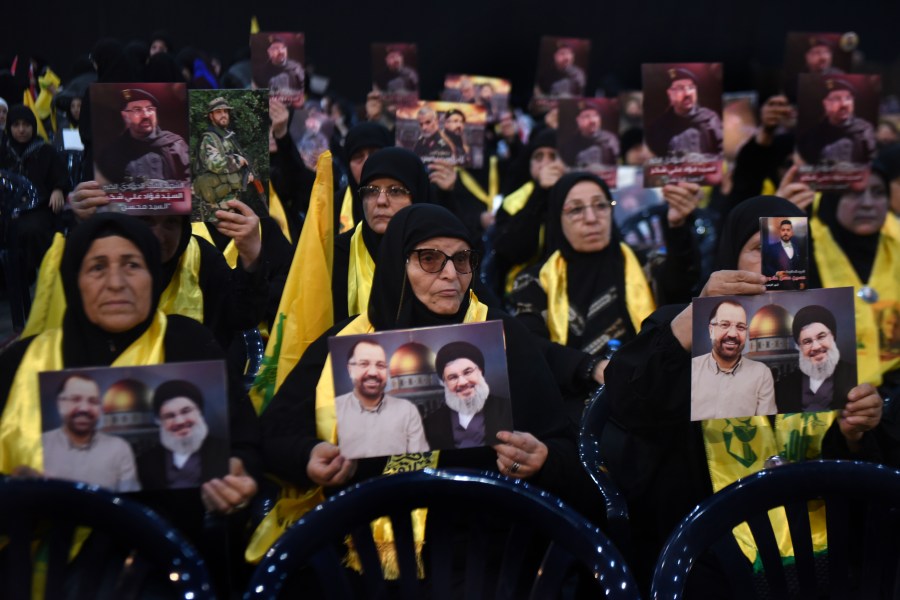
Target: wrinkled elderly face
368 371
115 284
864 212
461 376
587 217
428 122
443 292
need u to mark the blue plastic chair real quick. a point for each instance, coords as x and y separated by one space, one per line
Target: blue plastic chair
593 421
463 512
862 506
129 550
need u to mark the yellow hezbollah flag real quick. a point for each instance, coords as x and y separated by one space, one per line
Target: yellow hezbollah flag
254 25
305 311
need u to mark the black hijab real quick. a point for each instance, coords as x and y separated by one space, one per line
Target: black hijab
367 134
520 173
21 151
170 266
859 249
589 276
392 304
404 166
86 344
743 222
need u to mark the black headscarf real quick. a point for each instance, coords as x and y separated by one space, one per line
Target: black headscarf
85 344
392 304
21 151
521 170
859 249
404 166
743 222
170 266
589 276
367 134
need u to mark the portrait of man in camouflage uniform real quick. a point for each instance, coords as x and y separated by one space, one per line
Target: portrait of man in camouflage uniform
222 169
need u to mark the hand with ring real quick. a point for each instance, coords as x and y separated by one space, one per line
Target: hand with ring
519 454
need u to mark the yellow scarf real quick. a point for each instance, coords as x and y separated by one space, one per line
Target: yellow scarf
471 184
638 297
835 270
276 211
20 426
737 448
347 211
294 503
182 296
200 229
359 274
515 201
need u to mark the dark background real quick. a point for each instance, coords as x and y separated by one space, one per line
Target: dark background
499 38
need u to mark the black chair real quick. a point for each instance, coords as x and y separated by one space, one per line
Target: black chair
465 514
862 507
129 550
17 196
593 422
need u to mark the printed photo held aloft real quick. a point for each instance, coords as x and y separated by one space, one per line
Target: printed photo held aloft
784 243
588 135
778 352
823 53
449 131
129 429
490 92
739 110
395 73
837 115
141 156
229 146
562 67
416 390
683 123
276 62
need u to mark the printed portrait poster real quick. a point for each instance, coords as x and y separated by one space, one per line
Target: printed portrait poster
490 92
739 110
683 123
837 116
588 136
395 73
562 67
128 429
784 244
818 54
417 390
141 155
631 112
437 130
276 64
778 352
229 151
311 128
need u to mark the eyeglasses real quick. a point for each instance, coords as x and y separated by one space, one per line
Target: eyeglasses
807 342
393 192
577 213
434 261
726 325
365 364
146 110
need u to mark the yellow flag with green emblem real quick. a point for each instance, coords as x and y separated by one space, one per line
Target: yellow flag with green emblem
305 311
